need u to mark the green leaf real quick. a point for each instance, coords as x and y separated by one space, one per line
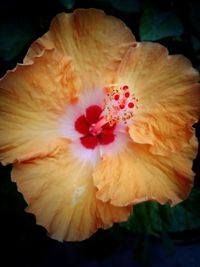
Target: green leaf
145 218
69 4
127 5
153 218
157 24
15 34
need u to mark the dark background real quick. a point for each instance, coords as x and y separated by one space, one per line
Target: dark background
155 235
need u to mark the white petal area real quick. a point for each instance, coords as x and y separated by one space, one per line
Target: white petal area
77 109
67 121
92 97
74 111
91 156
118 145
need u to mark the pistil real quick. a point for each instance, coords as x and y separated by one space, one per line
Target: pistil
96 128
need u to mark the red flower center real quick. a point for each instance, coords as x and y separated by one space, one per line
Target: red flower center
94 134
97 125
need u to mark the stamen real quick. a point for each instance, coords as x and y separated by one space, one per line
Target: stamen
116 97
119 104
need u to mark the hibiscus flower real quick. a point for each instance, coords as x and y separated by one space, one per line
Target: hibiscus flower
94 122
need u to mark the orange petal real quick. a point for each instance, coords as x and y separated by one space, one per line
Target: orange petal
96 42
32 99
60 192
168 93
136 175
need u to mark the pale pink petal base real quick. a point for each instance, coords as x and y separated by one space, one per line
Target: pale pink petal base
92 156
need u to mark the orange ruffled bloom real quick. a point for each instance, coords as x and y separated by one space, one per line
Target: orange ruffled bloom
94 122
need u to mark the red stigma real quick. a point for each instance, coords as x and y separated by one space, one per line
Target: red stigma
125 87
116 97
130 105
95 130
127 94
